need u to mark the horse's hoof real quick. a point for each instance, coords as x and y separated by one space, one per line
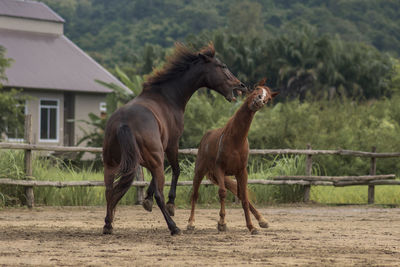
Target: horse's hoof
176 231
190 227
222 227
170 209
148 204
254 231
107 230
263 224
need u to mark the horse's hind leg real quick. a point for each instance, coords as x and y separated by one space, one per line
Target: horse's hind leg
148 200
231 185
114 192
108 181
159 179
243 193
198 177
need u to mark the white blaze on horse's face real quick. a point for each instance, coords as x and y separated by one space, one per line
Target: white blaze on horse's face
260 97
264 94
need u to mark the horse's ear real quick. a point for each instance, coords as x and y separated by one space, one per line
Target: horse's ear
273 94
204 57
262 82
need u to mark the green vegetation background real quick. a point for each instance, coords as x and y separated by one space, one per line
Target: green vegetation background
335 63
116 31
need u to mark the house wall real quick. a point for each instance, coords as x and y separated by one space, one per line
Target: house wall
33 107
85 104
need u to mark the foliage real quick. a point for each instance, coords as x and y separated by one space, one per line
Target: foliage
337 55
342 123
10 115
94 130
51 169
300 63
116 32
4 63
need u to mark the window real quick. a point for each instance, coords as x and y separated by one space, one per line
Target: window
48 120
15 130
103 109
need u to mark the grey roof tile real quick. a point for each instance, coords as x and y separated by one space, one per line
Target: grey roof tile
28 9
45 61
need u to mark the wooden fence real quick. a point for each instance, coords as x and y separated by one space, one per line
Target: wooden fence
307 180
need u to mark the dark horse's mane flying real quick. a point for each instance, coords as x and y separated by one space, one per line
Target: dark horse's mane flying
177 64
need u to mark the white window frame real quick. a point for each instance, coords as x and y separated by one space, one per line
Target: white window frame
19 140
103 107
57 118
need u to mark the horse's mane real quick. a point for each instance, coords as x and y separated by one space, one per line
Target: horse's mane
177 63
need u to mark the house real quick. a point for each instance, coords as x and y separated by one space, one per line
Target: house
57 75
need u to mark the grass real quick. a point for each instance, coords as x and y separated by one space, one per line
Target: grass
384 195
52 169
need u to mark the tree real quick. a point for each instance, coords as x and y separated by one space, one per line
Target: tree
244 18
10 100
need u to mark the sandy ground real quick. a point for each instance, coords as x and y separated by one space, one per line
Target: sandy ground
298 235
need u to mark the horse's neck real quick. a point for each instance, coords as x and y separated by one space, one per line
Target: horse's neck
239 125
179 91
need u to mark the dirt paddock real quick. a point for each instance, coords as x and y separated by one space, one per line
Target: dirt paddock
298 235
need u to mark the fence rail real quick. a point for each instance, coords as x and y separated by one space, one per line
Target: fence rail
193 151
307 180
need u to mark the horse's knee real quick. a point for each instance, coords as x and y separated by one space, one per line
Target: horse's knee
222 193
177 172
245 204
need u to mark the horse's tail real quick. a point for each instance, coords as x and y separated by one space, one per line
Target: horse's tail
129 151
130 154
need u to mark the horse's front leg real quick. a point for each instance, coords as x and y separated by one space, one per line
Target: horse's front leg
219 177
172 156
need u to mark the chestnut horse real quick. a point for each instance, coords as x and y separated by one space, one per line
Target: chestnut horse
141 131
224 152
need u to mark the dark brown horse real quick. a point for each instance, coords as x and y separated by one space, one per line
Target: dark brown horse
224 152
141 131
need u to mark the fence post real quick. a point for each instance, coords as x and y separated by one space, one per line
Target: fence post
140 189
30 198
372 171
307 188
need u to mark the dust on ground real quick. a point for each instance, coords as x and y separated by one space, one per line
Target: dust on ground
298 235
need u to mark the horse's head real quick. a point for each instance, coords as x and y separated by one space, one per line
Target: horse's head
218 77
260 96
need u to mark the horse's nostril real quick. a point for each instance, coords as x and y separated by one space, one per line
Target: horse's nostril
242 85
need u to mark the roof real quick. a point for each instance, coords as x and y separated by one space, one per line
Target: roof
45 61
28 9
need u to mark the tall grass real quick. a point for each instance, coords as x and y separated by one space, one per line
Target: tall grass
384 195
52 169
258 169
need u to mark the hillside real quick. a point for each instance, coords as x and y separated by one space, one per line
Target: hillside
115 32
